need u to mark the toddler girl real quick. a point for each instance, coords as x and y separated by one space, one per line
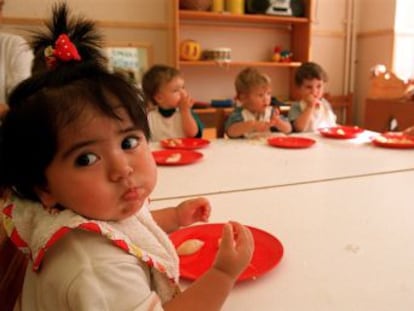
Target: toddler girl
75 158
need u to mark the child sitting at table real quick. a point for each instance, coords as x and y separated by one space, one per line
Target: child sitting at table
170 114
312 111
75 159
254 116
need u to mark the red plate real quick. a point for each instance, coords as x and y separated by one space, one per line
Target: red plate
394 140
341 132
176 157
184 143
290 142
267 253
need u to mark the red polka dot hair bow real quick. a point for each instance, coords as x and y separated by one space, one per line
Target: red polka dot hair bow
64 51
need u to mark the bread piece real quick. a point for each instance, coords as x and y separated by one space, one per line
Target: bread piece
190 247
173 158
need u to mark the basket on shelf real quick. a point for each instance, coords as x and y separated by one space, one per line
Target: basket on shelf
197 5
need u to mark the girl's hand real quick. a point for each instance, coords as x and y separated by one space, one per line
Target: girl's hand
193 210
275 113
274 120
312 101
235 250
260 126
186 102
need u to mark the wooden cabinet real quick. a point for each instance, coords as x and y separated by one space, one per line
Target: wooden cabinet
251 38
379 113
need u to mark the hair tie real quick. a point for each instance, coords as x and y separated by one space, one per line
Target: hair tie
64 51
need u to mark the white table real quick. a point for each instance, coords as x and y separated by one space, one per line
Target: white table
238 165
342 209
349 243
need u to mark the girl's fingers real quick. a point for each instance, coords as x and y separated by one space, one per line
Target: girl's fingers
227 235
242 234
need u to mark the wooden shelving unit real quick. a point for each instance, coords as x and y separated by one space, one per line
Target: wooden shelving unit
224 25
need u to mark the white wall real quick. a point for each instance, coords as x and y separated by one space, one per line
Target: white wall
329 41
375 44
404 42
139 21
120 10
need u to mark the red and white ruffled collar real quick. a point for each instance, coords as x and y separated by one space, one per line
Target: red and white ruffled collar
34 229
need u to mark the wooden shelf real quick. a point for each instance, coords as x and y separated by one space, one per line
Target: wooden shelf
209 63
240 18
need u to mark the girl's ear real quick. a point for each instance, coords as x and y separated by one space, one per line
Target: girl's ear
158 98
45 196
241 96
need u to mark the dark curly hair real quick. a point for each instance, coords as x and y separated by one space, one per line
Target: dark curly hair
51 99
309 71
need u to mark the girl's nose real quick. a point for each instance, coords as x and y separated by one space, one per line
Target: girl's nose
120 168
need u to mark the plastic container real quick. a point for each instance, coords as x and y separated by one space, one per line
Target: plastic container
235 6
217 6
218 54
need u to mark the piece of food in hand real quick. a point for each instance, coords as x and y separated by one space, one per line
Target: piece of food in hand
173 158
190 247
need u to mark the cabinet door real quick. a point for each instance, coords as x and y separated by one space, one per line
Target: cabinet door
379 113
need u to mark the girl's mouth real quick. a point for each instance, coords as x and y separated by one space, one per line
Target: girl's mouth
132 194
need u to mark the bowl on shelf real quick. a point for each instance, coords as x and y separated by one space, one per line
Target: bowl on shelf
217 54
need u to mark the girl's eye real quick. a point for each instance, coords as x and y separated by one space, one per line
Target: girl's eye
86 159
130 143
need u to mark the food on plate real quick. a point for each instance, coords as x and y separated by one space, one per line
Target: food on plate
340 132
175 142
381 139
173 158
394 140
190 247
